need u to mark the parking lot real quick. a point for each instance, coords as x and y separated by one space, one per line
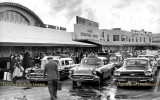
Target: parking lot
85 91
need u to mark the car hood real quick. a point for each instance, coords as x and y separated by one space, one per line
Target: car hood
85 70
132 69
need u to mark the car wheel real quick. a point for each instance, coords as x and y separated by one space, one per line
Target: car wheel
74 83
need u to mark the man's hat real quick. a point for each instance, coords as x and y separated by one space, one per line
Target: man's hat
49 57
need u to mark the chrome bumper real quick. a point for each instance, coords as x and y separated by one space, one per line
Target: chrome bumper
84 78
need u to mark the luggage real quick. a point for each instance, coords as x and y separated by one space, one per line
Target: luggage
59 85
7 76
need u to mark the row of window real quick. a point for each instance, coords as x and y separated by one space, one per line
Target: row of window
13 16
126 38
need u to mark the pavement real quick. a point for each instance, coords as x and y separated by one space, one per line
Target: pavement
23 90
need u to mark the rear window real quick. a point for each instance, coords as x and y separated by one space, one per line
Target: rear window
136 62
91 62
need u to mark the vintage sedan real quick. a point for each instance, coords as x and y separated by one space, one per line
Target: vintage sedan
152 57
64 64
92 68
135 71
116 59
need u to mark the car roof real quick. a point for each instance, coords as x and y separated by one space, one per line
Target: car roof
56 58
137 58
147 55
102 57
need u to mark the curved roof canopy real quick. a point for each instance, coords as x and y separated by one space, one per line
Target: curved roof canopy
23 8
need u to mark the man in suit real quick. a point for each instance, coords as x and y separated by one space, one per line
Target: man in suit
51 69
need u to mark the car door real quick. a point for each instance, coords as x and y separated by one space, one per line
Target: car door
63 71
106 69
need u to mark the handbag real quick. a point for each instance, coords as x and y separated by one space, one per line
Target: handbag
59 85
7 76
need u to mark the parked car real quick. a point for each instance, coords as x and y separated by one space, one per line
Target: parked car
152 57
135 71
116 59
64 64
92 68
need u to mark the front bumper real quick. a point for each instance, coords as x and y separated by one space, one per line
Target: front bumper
36 78
133 80
84 78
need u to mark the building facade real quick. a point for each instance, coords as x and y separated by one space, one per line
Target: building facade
21 30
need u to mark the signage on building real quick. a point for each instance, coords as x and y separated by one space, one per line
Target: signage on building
86 29
50 26
141 31
87 22
83 32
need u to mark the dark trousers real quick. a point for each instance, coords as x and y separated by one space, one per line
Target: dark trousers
52 87
16 78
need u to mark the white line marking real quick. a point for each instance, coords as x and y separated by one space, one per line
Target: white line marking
156 87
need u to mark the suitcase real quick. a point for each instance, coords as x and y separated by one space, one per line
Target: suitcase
7 76
59 85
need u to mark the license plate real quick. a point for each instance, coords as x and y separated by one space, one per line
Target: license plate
81 78
132 82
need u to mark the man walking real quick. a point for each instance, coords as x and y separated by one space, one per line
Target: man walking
51 69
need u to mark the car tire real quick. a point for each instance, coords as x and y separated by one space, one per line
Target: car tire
74 83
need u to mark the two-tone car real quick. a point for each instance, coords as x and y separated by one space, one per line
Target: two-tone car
92 68
153 58
64 65
135 71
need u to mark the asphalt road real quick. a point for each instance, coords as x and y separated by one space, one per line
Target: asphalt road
85 91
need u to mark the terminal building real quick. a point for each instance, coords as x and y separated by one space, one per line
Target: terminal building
21 30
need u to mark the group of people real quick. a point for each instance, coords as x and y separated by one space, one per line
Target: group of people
18 64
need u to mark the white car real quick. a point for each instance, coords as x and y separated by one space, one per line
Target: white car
64 64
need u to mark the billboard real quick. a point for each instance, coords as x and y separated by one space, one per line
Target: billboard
87 22
86 29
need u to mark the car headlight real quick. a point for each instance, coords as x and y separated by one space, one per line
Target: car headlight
71 71
148 73
117 73
26 71
94 72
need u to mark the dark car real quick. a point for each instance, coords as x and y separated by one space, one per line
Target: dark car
92 68
135 71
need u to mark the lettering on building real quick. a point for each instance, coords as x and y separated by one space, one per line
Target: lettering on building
50 26
87 22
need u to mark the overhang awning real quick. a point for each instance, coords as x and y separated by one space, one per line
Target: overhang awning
104 43
22 35
73 44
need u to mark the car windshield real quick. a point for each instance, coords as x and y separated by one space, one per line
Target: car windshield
136 63
113 58
91 62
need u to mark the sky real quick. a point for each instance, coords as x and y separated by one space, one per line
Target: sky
124 14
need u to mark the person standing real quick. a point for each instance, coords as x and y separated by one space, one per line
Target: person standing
51 69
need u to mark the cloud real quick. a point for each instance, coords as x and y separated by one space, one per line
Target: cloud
69 8
126 14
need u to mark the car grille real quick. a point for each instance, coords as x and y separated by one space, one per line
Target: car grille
35 76
82 76
133 79
134 74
